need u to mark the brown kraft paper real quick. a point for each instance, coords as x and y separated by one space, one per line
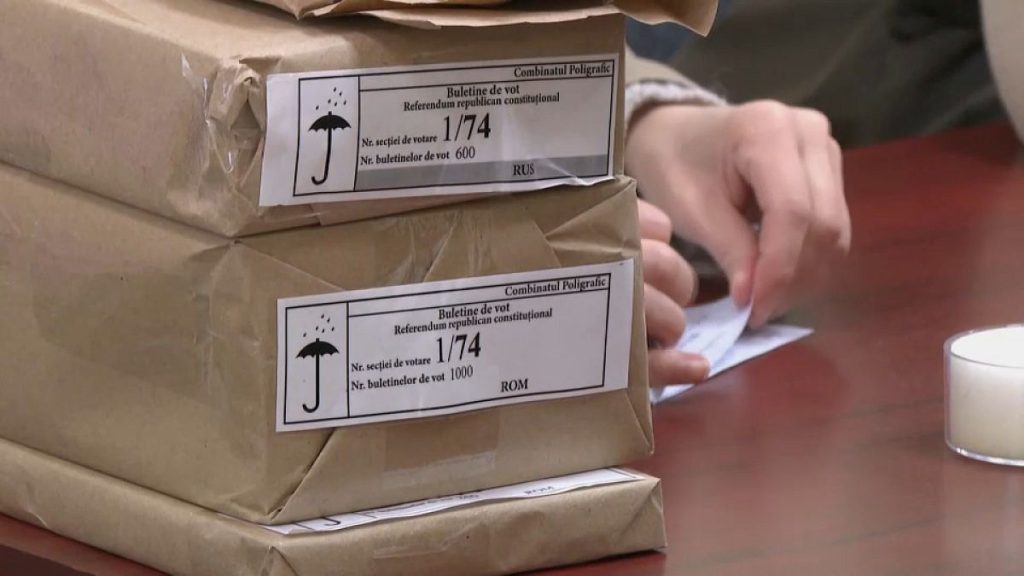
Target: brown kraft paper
163 105
146 349
499 537
698 15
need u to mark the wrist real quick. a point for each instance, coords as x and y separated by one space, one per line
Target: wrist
645 95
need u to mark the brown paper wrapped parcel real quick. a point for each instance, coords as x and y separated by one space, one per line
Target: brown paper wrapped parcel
148 350
696 14
498 537
164 106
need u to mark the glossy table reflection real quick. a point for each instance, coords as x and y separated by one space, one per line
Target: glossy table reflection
827 456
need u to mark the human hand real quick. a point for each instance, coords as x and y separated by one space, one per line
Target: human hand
707 167
669 285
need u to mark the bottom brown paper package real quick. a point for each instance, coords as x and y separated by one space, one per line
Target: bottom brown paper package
147 350
498 537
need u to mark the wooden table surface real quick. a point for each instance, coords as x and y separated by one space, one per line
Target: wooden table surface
826 457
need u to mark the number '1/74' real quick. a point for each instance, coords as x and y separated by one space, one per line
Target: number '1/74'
466 126
458 347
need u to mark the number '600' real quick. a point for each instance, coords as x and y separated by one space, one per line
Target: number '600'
465 153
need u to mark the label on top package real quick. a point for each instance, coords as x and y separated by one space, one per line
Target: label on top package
507 126
437 348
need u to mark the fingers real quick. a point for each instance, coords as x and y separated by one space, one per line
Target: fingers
654 223
794 168
667 271
676 154
710 219
836 161
830 224
828 233
665 318
704 165
669 284
706 215
667 367
727 235
769 159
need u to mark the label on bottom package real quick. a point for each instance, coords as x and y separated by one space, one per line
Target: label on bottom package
436 348
495 126
535 489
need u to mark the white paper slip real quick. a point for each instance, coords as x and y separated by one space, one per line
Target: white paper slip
712 328
534 489
718 326
499 126
754 343
445 347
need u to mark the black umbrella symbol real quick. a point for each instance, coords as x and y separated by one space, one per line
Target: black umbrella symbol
316 349
329 123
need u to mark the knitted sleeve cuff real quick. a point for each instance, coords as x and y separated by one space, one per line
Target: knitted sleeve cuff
646 93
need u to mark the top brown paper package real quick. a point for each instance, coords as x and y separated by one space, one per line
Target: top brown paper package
147 350
163 105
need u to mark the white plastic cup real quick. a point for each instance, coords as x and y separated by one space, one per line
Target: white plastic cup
985 394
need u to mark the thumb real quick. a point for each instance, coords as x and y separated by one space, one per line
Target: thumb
654 223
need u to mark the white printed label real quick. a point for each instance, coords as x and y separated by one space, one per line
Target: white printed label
446 347
534 489
441 129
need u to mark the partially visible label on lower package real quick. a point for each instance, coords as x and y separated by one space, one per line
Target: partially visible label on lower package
446 347
505 126
534 489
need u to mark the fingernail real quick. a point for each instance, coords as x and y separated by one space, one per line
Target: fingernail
705 369
739 291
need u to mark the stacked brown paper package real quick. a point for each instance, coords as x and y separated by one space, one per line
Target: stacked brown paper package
144 337
163 105
147 350
178 538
